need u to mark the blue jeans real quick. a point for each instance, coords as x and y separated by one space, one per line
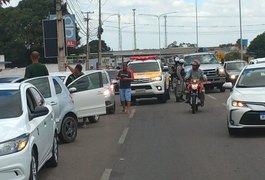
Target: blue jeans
125 94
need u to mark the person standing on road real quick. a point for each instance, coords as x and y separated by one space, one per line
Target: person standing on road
36 69
76 72
180 74
125 76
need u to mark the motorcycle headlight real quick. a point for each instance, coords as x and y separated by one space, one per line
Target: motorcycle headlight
156 78
14 145
239 104
194 86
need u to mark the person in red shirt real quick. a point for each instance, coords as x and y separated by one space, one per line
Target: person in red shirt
125 76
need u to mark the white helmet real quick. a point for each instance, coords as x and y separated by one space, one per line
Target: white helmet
176 59
181 61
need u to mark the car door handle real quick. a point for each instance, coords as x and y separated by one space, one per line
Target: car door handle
53 103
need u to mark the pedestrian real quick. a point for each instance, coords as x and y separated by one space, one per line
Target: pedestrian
125 76
180 75
36 69
76 72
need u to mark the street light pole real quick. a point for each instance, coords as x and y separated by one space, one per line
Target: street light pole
99 37
158 19
165 31
240 19
197 28
134 29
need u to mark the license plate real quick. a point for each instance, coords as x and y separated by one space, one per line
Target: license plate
262 116
138 91
208 82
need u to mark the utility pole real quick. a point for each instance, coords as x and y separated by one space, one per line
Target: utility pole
87 39
99 37
134 29
119 26
197 28
240 19
61 58
165 31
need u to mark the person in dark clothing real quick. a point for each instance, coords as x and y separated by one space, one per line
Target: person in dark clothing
36 69
76 72
125 76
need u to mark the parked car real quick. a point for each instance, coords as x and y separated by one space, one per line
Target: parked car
257 61
245 105
233 68
57 94
84 83
112 74
28 134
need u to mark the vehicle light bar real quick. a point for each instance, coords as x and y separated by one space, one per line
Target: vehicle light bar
142 58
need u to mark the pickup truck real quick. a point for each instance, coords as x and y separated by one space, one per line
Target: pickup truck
212 69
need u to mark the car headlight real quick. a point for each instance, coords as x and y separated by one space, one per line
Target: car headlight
106 92
233 77
14 145
239 104
221 71
156 78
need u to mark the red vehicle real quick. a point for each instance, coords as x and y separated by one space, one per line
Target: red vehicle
195 89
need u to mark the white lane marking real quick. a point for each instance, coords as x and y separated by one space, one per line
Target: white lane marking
214 98
123 136
132 113
106 174
224 104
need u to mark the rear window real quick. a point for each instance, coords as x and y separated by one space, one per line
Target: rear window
10 104
203 58
144 67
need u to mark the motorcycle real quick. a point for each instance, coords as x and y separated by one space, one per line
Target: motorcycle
195 88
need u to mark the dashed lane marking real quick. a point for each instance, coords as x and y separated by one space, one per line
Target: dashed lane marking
106 174
212 97
123 135
132 113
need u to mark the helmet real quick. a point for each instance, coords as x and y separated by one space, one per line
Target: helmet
181 61
196 63
176 59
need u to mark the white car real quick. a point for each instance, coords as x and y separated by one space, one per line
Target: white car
57 95
28 134
246 104
103 86
257 61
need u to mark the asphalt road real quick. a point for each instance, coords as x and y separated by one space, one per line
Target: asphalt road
162 142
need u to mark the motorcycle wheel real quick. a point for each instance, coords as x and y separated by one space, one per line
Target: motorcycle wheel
193 104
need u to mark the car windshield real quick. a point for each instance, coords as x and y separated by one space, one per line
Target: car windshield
144 67
10 104
203 58
252 78
236 66
112 74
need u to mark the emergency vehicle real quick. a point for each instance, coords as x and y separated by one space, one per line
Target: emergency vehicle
150 78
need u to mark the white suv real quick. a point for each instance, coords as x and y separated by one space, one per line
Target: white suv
28 135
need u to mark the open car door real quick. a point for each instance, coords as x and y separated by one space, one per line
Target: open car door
87 92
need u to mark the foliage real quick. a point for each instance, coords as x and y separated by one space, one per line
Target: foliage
257 46
94 46
232 56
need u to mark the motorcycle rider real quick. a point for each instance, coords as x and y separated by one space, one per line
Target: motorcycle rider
195 73
180 75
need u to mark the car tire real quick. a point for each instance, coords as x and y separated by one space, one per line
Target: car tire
163 97
68 131
93 119
112 109
53 161
222 89
33 166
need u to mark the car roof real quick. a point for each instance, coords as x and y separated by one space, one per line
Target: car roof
144 61
67 73
234 61
13 86
253 66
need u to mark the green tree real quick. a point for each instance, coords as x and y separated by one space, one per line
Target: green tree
257 46
94 46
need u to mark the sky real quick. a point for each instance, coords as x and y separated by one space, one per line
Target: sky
218 21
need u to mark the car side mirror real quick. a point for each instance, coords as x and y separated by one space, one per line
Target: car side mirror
228 85
39 111
72 89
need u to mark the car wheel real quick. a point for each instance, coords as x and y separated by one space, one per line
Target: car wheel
112 109
53 161
68 129
93 119
162 98
222 89
33 166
